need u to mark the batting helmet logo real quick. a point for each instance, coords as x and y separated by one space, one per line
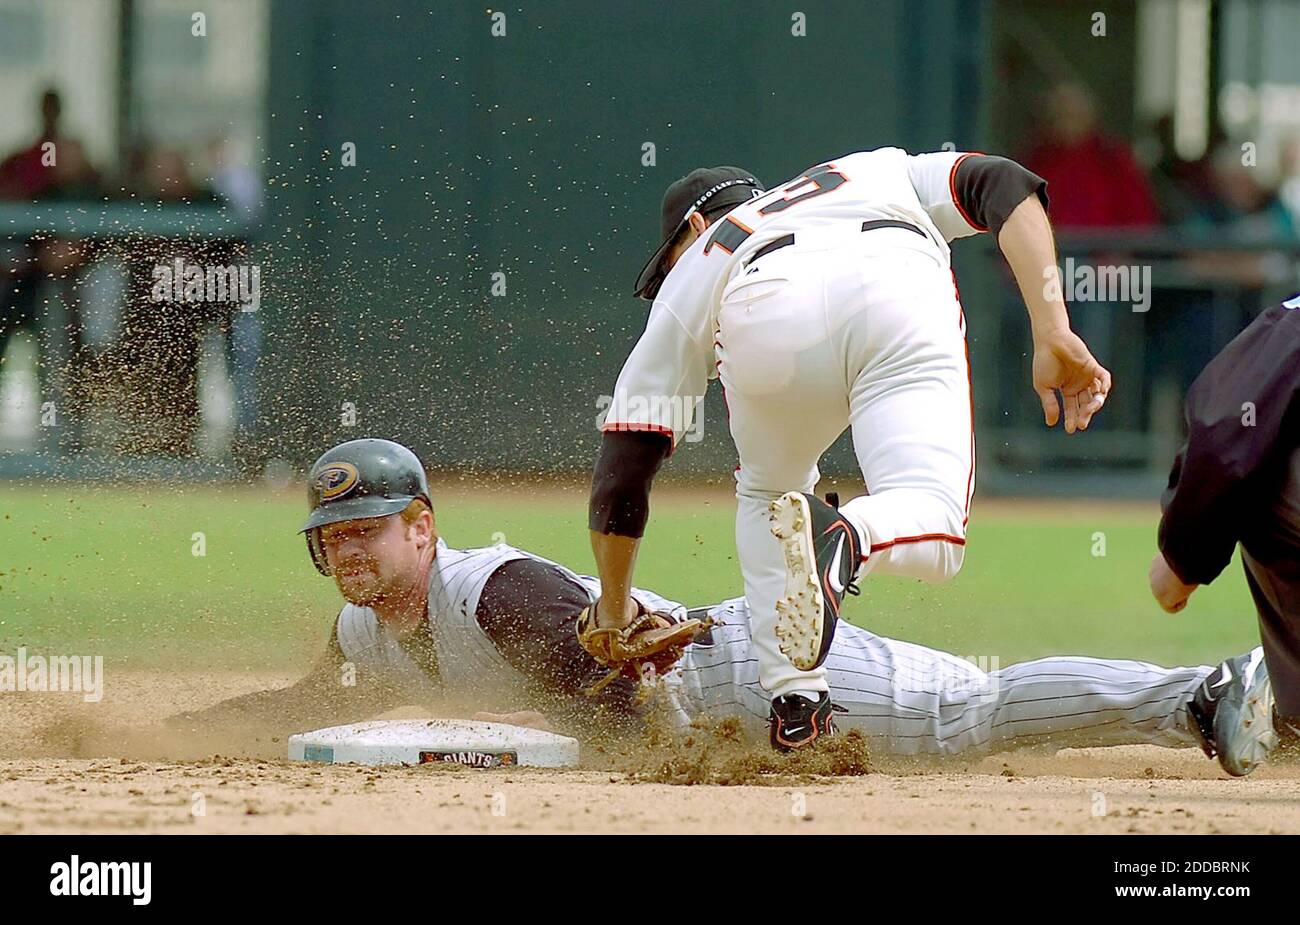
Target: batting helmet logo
336 480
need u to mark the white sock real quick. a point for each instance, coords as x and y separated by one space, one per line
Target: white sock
864 535
810 696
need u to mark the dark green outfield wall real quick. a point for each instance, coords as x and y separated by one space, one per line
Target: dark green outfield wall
522 155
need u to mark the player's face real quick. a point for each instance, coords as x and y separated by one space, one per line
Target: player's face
675 252
371 559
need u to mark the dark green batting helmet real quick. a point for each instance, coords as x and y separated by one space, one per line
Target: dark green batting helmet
357 480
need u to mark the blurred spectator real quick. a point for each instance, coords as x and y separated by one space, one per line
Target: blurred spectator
1242 203
1242 210
38 278
1289 190
239 186
1182 187
158 352
161 340
1094 180
161 173
234 180
38 172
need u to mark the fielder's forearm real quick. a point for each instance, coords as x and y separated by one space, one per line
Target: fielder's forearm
1027 243
615 561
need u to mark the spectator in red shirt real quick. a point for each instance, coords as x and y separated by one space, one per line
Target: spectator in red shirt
61 171
1096 180
36 272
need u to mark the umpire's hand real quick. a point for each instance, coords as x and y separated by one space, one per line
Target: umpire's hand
1167 588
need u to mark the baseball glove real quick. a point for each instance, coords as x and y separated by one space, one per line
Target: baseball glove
652 638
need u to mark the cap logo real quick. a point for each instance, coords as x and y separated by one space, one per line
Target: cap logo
336 480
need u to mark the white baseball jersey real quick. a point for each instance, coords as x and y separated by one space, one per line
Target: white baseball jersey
853 323
464 654
675 356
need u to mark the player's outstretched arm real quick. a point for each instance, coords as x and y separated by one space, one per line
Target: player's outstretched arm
320 698
1062 360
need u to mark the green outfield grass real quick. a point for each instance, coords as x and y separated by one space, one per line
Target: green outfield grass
84 570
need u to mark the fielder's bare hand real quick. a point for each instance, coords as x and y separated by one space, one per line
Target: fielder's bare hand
1166 587
1062 361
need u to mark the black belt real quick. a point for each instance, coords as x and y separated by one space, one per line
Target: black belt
787 240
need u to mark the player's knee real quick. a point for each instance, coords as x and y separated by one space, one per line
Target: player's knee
952 550
948 561
956 556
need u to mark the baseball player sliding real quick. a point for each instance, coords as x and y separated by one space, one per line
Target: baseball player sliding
823 304
426 623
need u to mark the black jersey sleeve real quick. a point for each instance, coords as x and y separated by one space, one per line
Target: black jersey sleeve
1243 423
988 188
620 486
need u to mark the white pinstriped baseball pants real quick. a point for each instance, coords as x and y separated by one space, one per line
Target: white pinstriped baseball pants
863 333
913 700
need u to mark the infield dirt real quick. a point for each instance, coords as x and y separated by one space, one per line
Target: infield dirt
69 767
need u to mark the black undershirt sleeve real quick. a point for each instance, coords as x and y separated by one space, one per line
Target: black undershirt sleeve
988 188
528 610
620 487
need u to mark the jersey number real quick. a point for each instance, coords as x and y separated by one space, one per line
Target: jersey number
823 180
730 233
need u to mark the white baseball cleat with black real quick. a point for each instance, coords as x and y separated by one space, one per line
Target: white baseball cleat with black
1232 712
822 554
797 722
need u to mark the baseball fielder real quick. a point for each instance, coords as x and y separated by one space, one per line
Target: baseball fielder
823 304
424 621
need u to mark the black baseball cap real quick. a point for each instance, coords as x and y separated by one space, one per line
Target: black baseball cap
704 189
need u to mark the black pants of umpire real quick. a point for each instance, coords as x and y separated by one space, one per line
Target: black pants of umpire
1271 555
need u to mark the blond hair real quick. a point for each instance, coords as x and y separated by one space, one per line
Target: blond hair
411 513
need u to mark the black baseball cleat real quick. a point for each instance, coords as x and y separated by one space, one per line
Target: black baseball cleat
822 554
1232 713
797 722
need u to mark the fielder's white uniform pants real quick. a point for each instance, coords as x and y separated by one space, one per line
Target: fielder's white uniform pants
863 331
